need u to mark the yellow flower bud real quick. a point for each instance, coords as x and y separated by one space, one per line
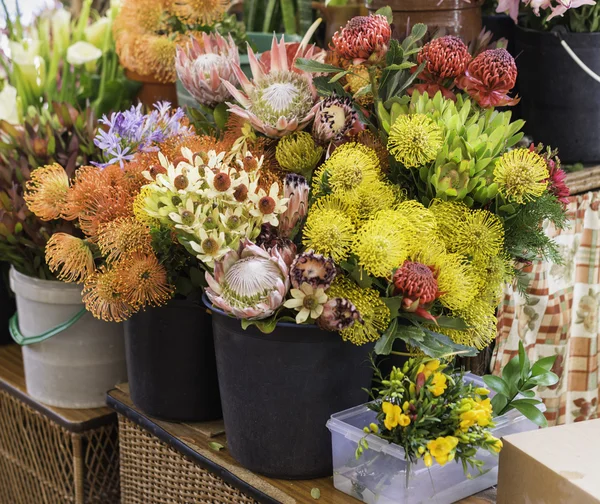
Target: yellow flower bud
421 450
482 391
428 460
374 428
367 430
405 406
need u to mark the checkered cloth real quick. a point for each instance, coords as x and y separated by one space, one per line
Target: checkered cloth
561 317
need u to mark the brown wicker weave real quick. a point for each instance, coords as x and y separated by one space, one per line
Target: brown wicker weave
43 463
154 473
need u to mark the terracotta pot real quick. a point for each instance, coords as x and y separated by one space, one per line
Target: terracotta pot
153 90
336 16
454 17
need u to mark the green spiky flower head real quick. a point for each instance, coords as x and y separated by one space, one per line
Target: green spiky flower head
298 153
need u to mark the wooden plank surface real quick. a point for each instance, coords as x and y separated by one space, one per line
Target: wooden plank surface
12 379
194 437
585 180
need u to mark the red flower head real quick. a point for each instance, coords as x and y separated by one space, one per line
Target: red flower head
489 78
444 58
417 284
557 180
363 38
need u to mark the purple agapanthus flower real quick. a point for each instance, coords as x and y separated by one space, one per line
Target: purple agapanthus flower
131 131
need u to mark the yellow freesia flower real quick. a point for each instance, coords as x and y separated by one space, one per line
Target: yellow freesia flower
392 415
438 384
475 411
429 368
428 460
404 420
442 449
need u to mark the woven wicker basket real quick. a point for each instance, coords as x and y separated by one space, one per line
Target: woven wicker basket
154 473
42 462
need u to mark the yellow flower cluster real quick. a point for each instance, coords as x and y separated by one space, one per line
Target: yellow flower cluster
475 412
394 416
443 449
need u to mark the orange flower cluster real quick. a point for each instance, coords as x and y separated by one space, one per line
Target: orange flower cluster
146 35
101 202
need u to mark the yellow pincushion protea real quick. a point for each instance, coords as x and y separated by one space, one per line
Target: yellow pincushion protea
350 166
374 312
415 140
328 229
521 175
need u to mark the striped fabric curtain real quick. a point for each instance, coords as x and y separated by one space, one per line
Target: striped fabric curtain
560 317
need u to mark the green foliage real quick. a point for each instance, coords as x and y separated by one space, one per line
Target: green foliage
519 378
585 19
473 141
281 16
60 135
182 267
524 235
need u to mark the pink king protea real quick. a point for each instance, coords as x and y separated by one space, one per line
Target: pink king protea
203 68
250 283
277 101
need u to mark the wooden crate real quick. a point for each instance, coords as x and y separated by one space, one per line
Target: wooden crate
51 455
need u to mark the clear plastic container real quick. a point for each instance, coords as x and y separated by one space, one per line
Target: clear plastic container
379 475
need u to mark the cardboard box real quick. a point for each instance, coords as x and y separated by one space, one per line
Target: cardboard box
558 465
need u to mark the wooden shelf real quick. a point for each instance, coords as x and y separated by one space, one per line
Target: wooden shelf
192 441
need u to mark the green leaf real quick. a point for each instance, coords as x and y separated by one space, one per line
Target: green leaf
533 402
499 402
438 346
386 342
524 364
315 493
215 446
401 66
313 66
393 304
452 323
220 114
527 393
418 31
338 76
543 365
497 384
545 380
511 373
531 412
387 12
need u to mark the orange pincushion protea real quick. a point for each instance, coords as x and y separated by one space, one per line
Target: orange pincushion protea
69 257
144 281
417 283
489 78
46 192
363 38
123 236
103 296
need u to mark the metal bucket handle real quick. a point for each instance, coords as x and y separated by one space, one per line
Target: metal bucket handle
15 332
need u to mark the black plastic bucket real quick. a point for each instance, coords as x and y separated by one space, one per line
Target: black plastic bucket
502 27
278 390
171 362
7 304
560 102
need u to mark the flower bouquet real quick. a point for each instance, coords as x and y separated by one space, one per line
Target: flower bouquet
125 262
432 432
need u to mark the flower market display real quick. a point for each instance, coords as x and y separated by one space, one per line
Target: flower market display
264 253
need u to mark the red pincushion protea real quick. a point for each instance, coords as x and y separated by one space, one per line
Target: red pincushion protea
444 58
489 78
418 286
363 38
